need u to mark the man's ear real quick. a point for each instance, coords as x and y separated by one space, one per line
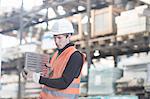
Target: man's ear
68 35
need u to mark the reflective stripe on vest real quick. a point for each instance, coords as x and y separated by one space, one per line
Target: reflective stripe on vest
60 92
73 85
73 88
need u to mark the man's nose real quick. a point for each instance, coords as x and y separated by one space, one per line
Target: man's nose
57 40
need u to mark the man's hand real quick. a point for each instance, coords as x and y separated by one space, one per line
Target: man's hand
31 75
47 70
48 65
36 77
24 74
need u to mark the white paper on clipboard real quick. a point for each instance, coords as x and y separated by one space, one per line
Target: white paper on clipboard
35 61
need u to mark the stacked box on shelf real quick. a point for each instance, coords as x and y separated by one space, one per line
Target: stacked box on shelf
83 88
121 97
147 83
76 20
103 21
0 59
136 73
102 82
111 97
32 90
92 97
132 21
135 70
120 3
146 1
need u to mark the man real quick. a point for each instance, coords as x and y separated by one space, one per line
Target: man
66 64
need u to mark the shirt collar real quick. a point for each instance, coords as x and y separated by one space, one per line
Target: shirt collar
68 45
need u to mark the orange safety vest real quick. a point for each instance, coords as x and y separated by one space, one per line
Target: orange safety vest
58 64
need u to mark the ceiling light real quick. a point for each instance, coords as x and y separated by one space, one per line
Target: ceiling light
96 53
81 8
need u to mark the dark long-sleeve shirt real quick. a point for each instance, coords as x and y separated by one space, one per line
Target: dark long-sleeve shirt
71 71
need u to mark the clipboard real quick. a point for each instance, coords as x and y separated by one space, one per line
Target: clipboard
35 62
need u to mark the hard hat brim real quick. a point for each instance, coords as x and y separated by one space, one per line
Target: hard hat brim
55 33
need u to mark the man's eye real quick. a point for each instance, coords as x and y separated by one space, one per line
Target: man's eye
59 37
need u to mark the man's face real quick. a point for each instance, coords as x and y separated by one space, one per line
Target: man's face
61 40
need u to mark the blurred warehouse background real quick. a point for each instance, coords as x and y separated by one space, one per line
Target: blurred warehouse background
114 34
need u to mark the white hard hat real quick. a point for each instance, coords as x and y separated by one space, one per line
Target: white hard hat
62 26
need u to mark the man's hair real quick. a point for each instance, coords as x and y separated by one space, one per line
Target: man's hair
67 34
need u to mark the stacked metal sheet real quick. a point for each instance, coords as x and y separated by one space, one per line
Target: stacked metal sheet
31 90
146 1
120 3
0 59
135 69
147 84
83 89
132 21
111 97
102 82
122 97
137 74
35 61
